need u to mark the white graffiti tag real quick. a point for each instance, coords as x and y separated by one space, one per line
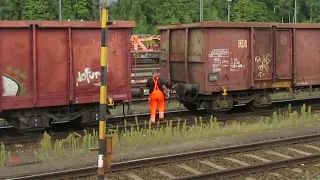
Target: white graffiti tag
87 76
263 65
10 87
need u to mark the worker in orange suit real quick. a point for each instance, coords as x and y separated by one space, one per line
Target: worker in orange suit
157 94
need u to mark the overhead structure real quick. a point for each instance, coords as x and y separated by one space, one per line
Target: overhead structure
145 43
145 50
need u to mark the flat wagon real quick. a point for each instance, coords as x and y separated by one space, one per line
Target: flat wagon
220 64
51 70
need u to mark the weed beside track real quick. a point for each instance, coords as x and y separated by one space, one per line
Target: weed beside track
239 114
207 164
135 137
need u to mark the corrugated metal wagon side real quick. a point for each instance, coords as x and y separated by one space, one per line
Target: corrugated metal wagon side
55 64
218 64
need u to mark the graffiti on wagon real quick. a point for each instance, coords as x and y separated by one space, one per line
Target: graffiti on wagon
10 87
263 65
87 76
14 82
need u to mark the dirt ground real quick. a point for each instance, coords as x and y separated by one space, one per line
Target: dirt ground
178 146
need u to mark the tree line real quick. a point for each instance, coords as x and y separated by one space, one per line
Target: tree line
149 13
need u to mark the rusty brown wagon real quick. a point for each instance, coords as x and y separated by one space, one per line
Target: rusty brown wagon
220 64
51 70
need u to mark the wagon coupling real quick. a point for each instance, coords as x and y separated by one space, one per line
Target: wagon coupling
110 102
224 91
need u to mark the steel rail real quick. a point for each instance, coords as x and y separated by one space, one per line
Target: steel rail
90 171
117 120
252 168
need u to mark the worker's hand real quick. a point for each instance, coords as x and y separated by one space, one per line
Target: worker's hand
148 99
168 94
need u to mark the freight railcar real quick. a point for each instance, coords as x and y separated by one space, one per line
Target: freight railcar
220 64
51 71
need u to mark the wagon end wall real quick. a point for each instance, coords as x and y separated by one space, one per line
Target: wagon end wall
181 56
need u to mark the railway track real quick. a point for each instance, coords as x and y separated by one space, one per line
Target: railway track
276 103
116 123
241 160
141 121
121 125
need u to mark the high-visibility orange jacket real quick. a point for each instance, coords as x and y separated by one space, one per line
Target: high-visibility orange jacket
150 84
156 97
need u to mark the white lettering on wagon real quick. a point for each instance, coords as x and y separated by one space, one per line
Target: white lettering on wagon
219 53
235 64
120 96
216 65
87 76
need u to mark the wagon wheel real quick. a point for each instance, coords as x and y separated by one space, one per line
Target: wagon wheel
254 107
207 105
89 120
217 113
32 133
190 106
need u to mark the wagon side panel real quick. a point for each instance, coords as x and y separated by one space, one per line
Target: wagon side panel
86 55
228 58
164 55
177 55
16 62
119 58
196 69
283 55
307 62
263 55
52 66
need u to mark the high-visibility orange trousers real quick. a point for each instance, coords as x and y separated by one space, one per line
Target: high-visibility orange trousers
156 99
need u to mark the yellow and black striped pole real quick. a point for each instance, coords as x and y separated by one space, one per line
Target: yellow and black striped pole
103 96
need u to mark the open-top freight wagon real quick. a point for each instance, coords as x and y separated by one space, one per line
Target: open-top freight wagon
220 64
51 71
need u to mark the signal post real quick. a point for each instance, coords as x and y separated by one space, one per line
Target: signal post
105 142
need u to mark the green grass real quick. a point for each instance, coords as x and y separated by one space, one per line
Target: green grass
167 134
74 145
285 95
134 137
4 155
